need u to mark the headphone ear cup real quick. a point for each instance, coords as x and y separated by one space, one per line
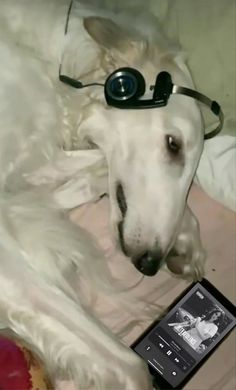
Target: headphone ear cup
124 85
140 82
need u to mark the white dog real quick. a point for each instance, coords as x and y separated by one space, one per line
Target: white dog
151 157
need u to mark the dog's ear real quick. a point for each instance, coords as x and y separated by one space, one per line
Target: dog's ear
105 32
121 46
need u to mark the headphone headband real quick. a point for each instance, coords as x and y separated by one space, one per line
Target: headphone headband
212 104
124 87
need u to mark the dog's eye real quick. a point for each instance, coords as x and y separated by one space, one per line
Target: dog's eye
173 144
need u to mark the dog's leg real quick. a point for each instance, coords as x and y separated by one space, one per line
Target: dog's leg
187 257
39 250
70 342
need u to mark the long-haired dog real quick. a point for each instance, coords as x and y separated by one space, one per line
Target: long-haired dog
55 145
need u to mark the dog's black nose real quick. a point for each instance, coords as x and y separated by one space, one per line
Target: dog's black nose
148 264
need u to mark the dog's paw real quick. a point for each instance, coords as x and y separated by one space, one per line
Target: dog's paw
120 370
188 264
140 378
187 257
127 372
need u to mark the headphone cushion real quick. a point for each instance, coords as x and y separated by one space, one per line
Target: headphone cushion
140 81
125 84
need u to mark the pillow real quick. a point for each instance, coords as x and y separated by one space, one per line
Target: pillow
216 172
206 30
19 370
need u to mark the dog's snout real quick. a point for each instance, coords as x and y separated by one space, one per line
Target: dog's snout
120 196
149 263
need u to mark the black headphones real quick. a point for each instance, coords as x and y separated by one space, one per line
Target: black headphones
125 86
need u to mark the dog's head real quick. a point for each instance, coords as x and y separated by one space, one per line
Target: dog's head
152 154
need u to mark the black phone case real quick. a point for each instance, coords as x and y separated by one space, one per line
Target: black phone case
158 381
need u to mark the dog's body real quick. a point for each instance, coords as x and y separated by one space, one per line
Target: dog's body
40 118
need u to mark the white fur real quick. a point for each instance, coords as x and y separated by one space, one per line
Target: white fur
41 119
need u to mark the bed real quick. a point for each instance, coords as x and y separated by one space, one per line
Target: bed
218 228
187 21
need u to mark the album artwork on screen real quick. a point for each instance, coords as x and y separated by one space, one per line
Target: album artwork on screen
199 322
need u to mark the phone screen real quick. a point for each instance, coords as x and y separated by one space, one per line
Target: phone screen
183 338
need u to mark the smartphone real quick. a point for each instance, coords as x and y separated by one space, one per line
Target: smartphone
176 345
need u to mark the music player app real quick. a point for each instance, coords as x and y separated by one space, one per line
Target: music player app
185 335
